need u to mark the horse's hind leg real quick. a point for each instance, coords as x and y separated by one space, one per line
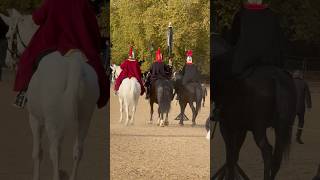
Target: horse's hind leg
55 136
126 105
194 113
233 141
151 111
37 153
277 157
160 118
82 131
166 122
121 110
182 109
133 113
266 150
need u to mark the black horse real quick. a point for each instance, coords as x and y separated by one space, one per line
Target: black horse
188 94
264 98
162 94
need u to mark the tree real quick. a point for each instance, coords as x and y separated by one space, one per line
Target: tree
145 24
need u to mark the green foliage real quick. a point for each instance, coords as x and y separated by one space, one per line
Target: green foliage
145 23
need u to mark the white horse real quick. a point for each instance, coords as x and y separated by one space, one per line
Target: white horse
62 92
129 93
20 32
57 100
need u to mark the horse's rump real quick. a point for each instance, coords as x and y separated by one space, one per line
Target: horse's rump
130 88
164 93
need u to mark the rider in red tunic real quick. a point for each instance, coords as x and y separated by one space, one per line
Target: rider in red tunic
130 68
63 25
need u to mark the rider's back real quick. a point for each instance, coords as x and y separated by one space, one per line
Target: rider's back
158 71
260 40
190 74
131 69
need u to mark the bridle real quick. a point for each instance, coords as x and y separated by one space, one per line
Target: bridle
14 47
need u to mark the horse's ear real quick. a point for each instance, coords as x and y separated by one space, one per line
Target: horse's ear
9 11
111 66
5 19
16 13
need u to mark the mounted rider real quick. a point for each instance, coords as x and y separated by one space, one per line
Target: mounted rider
256 39
130 68
158 70
64 25
190 71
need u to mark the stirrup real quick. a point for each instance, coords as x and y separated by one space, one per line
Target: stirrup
21 100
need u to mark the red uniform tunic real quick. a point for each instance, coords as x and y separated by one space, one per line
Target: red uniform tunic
130 68
64 25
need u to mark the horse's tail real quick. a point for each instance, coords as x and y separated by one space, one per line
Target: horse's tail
135 90
164 93
73 83
286 108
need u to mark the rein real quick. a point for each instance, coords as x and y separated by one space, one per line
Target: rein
14 50
19 36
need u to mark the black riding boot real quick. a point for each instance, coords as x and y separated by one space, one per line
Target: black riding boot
21 100
298 138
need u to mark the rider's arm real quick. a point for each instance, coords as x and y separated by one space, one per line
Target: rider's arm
123 65
39 16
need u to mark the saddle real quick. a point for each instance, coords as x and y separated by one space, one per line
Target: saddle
40 57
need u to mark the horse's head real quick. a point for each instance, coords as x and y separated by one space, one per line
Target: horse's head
21 28
177 76
116 70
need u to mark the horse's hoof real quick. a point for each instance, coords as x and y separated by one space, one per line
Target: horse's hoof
181 124
193 124
166 123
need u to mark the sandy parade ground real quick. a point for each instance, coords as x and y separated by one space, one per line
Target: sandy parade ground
145 151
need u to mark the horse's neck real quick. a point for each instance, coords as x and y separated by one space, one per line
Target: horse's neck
26 30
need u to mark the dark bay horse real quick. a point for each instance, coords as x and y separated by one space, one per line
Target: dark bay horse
162 94
188 94
264 98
